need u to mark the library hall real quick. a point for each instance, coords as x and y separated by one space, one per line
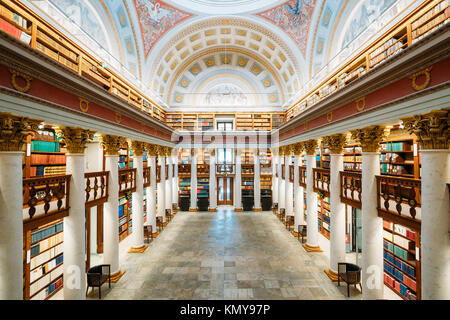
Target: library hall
227 150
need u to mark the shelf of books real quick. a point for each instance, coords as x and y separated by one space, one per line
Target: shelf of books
124 159
323 215
262 121
185 186
304 205
46 155
202 187
435 17
189 121
174 120
124 218
393 45
247 158
244 121
352 158
205 121
400 157
401 260
43 264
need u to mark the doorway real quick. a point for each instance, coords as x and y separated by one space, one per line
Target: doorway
224 191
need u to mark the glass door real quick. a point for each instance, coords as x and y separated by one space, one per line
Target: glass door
225 191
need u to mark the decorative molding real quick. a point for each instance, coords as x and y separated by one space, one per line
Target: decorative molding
152 149
75 139
335 143
432 129
369 137
138 148
14 131
425 72
310 147
111 143
330 116
84 105
360 104
298 149
16 74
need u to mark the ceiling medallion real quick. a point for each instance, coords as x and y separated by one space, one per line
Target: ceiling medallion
267 83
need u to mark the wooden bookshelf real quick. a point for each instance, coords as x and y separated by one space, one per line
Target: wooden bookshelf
353 158
323 216
244 121
124 218
432 19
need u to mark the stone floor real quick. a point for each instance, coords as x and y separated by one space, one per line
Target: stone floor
224 255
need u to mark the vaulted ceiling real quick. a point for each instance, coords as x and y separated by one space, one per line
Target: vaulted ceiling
193 54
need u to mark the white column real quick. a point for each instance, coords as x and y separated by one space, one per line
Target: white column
11 236
138 204
74 231
311 204
289 191
193 206
257 182
281 184
372 229
337 213
111 215
298 193
175 181
435 236
161 201
169 182
212 181
238 183
274 179
151 194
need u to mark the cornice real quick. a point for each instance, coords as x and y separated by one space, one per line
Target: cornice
415 57
20 56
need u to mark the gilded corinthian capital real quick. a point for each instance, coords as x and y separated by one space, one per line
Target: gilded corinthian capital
335 143
432 129
138 147
152 149
310 147
370 137
75 139
111 143
298 148
14 131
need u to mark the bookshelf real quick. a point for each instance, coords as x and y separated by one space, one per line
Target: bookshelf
175 121
124 218
323 215
46 155
389 47
401 256
203 193
262 121
205 121
43 274
124 158
304 205
244 121
189 121
185 186
352 158
433 19
247 158
399 157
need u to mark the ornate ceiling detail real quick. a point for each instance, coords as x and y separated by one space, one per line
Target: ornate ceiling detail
294 17
156 18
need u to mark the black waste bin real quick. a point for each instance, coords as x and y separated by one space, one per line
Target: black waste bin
185 202
202 204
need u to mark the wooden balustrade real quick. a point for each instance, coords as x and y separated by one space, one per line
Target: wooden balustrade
127 181
225 169
203 169
45 199
96 187
302 176
399 200
321 180
350 188
184 169
247 169
282 172
158 174
291 173
167 171
146 174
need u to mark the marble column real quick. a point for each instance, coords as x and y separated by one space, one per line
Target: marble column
298 190
169 180
175 181
274 177
137 199
432 130
212 181
281 185
257 182
312 233
152 152
111 145
238 182
336 144
372 278
193 206
289 188
13 134
74 265
161 197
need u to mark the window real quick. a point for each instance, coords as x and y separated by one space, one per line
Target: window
224 125
225 155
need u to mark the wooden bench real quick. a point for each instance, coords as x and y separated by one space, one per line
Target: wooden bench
98 275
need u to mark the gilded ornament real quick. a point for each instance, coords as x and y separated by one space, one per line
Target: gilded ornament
26 78
152 149
370 137
298 148
84 105
75 139
118 117
432 129
310 147
425 72
335 143
14 131
330 116
138 148
111 143
360 103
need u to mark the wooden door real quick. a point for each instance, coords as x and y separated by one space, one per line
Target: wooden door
224 191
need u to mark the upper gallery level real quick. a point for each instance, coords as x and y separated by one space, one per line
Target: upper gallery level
184 65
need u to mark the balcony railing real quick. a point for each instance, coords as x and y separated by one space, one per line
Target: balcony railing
127 181
291 173
351 191
45 199
225 169
265 169
184 170
158 173
302 176
96 187
399 200
247 169
146 174
321 180
203 169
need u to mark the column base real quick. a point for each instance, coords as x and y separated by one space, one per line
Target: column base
165 223
309 248
257 209
193 210
212 210
294 233
331 274
140 249
238 209
115 277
